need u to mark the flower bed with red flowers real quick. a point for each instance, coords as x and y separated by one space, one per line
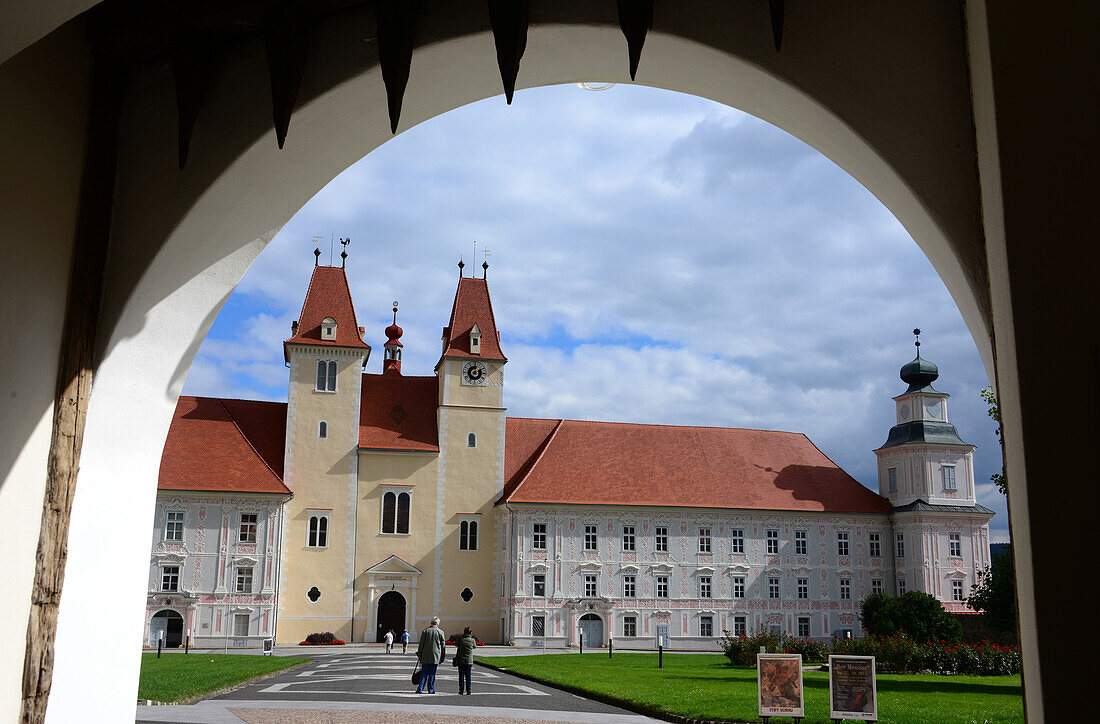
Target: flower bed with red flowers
322 639
893 654
452 641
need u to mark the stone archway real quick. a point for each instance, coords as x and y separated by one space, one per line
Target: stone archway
391 615
169 624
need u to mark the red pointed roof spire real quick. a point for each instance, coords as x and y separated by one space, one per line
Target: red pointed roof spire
328 315
472 307
392 363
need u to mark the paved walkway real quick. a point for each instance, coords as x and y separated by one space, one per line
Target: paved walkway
364 684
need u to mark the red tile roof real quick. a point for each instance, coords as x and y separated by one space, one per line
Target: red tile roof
399 413
328 296
607 463
226 446
472 306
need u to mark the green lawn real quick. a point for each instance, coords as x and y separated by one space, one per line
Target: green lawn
705 686
175 677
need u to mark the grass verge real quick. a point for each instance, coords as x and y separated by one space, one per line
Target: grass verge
178 677
704 686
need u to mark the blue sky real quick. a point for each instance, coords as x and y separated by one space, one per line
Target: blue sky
654 257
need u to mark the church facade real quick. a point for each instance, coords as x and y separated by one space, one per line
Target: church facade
381 500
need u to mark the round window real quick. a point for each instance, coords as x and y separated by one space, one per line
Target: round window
466 595
313 594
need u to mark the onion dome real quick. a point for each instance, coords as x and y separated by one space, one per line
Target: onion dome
920 373
393 332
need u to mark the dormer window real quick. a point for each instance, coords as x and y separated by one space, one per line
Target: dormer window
328 329
475 340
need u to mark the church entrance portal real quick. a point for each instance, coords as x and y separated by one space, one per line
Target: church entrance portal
591 627
391 615
171 624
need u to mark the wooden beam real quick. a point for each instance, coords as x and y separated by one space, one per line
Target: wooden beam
509 19
75 370
635 20
396 37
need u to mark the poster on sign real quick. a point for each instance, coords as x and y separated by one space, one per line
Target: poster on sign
779 684
853 692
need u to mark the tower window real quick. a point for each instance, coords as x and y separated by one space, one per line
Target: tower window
892 478
313 594
395 513
326 376
173 525
328 329
318 531
954 541
249 524
466 595
842 544
467 535
471 440
475 340
322 429
949 477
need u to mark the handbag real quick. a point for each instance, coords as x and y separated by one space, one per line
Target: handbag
454 661
416 673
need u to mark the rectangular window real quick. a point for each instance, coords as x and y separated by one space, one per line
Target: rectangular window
800 542
240 625
173 525
874 545
662 586
629 587
842 544
738 537
590 537
704 540
326 376
244 580
949 477
630 626
803 587
249 523
538 625
538 585
628 537
740 626
738 586
318 531
892 479
876 586
901 586
773 541
704 587
899 545
954 543
845 589
538 538
170 578
804 627
660 539
590 585
706 625
467 535
773 586
956 590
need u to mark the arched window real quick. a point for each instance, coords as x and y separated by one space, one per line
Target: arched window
322 429
467 535
471 440
326 376
395 512
318 531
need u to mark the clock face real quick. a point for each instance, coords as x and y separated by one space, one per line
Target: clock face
474 373
932 408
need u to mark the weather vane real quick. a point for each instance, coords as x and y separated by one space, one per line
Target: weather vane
485 254
317 249
344 254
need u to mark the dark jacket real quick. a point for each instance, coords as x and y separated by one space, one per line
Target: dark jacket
432 649
464 656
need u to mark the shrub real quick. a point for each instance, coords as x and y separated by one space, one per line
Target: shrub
321 639
917 615
742 650
813 652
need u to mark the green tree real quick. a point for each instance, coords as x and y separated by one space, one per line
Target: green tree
994 412
918 615
995 593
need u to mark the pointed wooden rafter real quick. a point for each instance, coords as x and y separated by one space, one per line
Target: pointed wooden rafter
193 58
635 20
776 7
286 40
509 19
396 38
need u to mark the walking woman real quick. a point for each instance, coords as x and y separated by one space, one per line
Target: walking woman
464 658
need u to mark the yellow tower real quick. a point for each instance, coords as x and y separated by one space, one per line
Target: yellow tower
326 355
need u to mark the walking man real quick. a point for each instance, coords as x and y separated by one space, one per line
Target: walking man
431 652
464 658
405 642
388 638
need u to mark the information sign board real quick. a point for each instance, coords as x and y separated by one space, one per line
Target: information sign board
779 685
269 646
853 690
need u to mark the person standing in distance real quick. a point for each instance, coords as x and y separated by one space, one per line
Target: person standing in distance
431 652
388 638
405 642
464 659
